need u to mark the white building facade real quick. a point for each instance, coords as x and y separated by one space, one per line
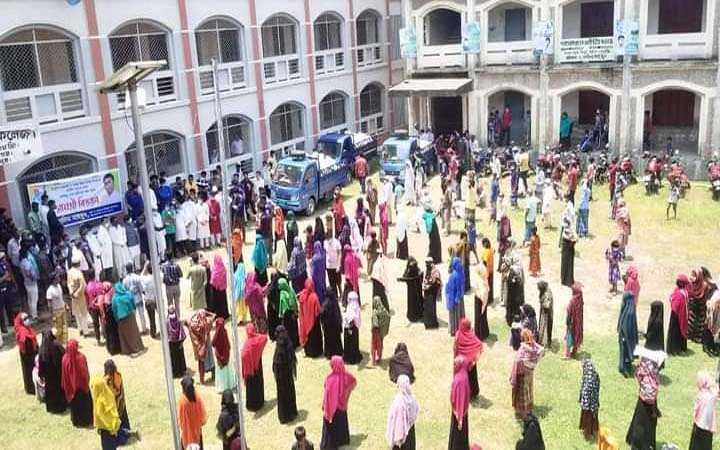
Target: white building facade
288 72
670 88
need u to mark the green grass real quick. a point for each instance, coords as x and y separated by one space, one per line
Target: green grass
660 248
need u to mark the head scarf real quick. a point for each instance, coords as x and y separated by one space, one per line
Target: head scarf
633 284
75 375
713 313
460 390
400 364
532 435
339 384
403 413
590 387
309 310
379 272
575 313
678 303
352 313
280 257
655 332
318 268
319 230
627 324
218 275
401 226
356 235
254 294
297 265
526 359
529 318
252 351
647 374
175 329
229 416
123 302
705 415
467 344
279 221
351 266
50 348
221 343
24 332
288 299
237 245
200 327
455 287
696 286
105 412
284 352
239 282
428 219
259 256
380 316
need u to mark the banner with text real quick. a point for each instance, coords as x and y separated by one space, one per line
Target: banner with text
627 37
408 42
543 32
587 49
83 198
18 144
471 38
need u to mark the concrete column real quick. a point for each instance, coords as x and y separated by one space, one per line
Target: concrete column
471 58
428 113
411 114
542 116
625 110
715 123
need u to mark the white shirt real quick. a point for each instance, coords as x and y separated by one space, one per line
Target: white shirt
531 207
332 253
54 295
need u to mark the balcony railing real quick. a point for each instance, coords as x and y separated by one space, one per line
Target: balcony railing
329 61
373 124
369 55
44 104
280 69
158 88
516 52
676 46
230 76
575 50
285 148
441 56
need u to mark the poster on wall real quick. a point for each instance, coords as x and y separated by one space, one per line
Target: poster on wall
18 144
408 42
543 33
587 49
471 38
83 198
627 37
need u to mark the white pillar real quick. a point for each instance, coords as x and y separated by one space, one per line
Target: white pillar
428 112
541 119
716 112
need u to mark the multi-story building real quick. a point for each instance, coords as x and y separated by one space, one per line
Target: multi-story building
288 71
670 88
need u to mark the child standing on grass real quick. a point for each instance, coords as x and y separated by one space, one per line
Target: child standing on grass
673 199
614 255
534 253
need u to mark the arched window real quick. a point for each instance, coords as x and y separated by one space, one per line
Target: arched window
371 110
56 167
287 124
278 37
442 27
369 51
332 110
144 41
220 39
328 32
237 139
45 61
163 154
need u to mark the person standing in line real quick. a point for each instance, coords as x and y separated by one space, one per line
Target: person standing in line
191 414
521 377
105 243
545 322
123 309
26 342
133 284
583 228
333 258
470 348
202 212
58 307
402 416
50 371
642 431
505 126
361 171
531 209
149 296
76 285
169 216
574 322
339 384
252 370
171 275
454 295
132 236
705 415
176 336
121 254
214 219
589 400
678 325
75 384
568 238
284 368
197 274
459 402
380 329
627 334
30 275
56 228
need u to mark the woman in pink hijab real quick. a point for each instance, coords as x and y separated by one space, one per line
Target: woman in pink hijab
255 300
678 327
459 402
351 272
632 284
338 387
704 425
217 303
400 432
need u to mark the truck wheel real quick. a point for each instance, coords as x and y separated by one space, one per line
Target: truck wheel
310 207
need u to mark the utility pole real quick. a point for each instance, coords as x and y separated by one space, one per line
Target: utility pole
226 224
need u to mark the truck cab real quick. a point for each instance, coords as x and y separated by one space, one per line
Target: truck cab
398 149
302 180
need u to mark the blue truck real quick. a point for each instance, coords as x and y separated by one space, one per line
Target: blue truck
302 180
399 148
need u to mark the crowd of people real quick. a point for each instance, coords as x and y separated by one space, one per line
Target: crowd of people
302 289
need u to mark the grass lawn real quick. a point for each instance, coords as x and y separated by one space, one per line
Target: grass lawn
661 249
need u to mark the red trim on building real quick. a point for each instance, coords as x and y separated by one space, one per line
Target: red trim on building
99 72
391 111
257 57
353 43
190 80
311 68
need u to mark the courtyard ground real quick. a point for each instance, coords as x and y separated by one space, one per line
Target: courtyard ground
661 249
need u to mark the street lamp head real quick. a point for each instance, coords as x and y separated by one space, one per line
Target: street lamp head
129 74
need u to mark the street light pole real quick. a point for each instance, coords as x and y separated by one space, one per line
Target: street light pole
154 259
226 224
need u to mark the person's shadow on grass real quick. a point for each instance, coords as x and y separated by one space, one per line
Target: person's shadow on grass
267 407
356 440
